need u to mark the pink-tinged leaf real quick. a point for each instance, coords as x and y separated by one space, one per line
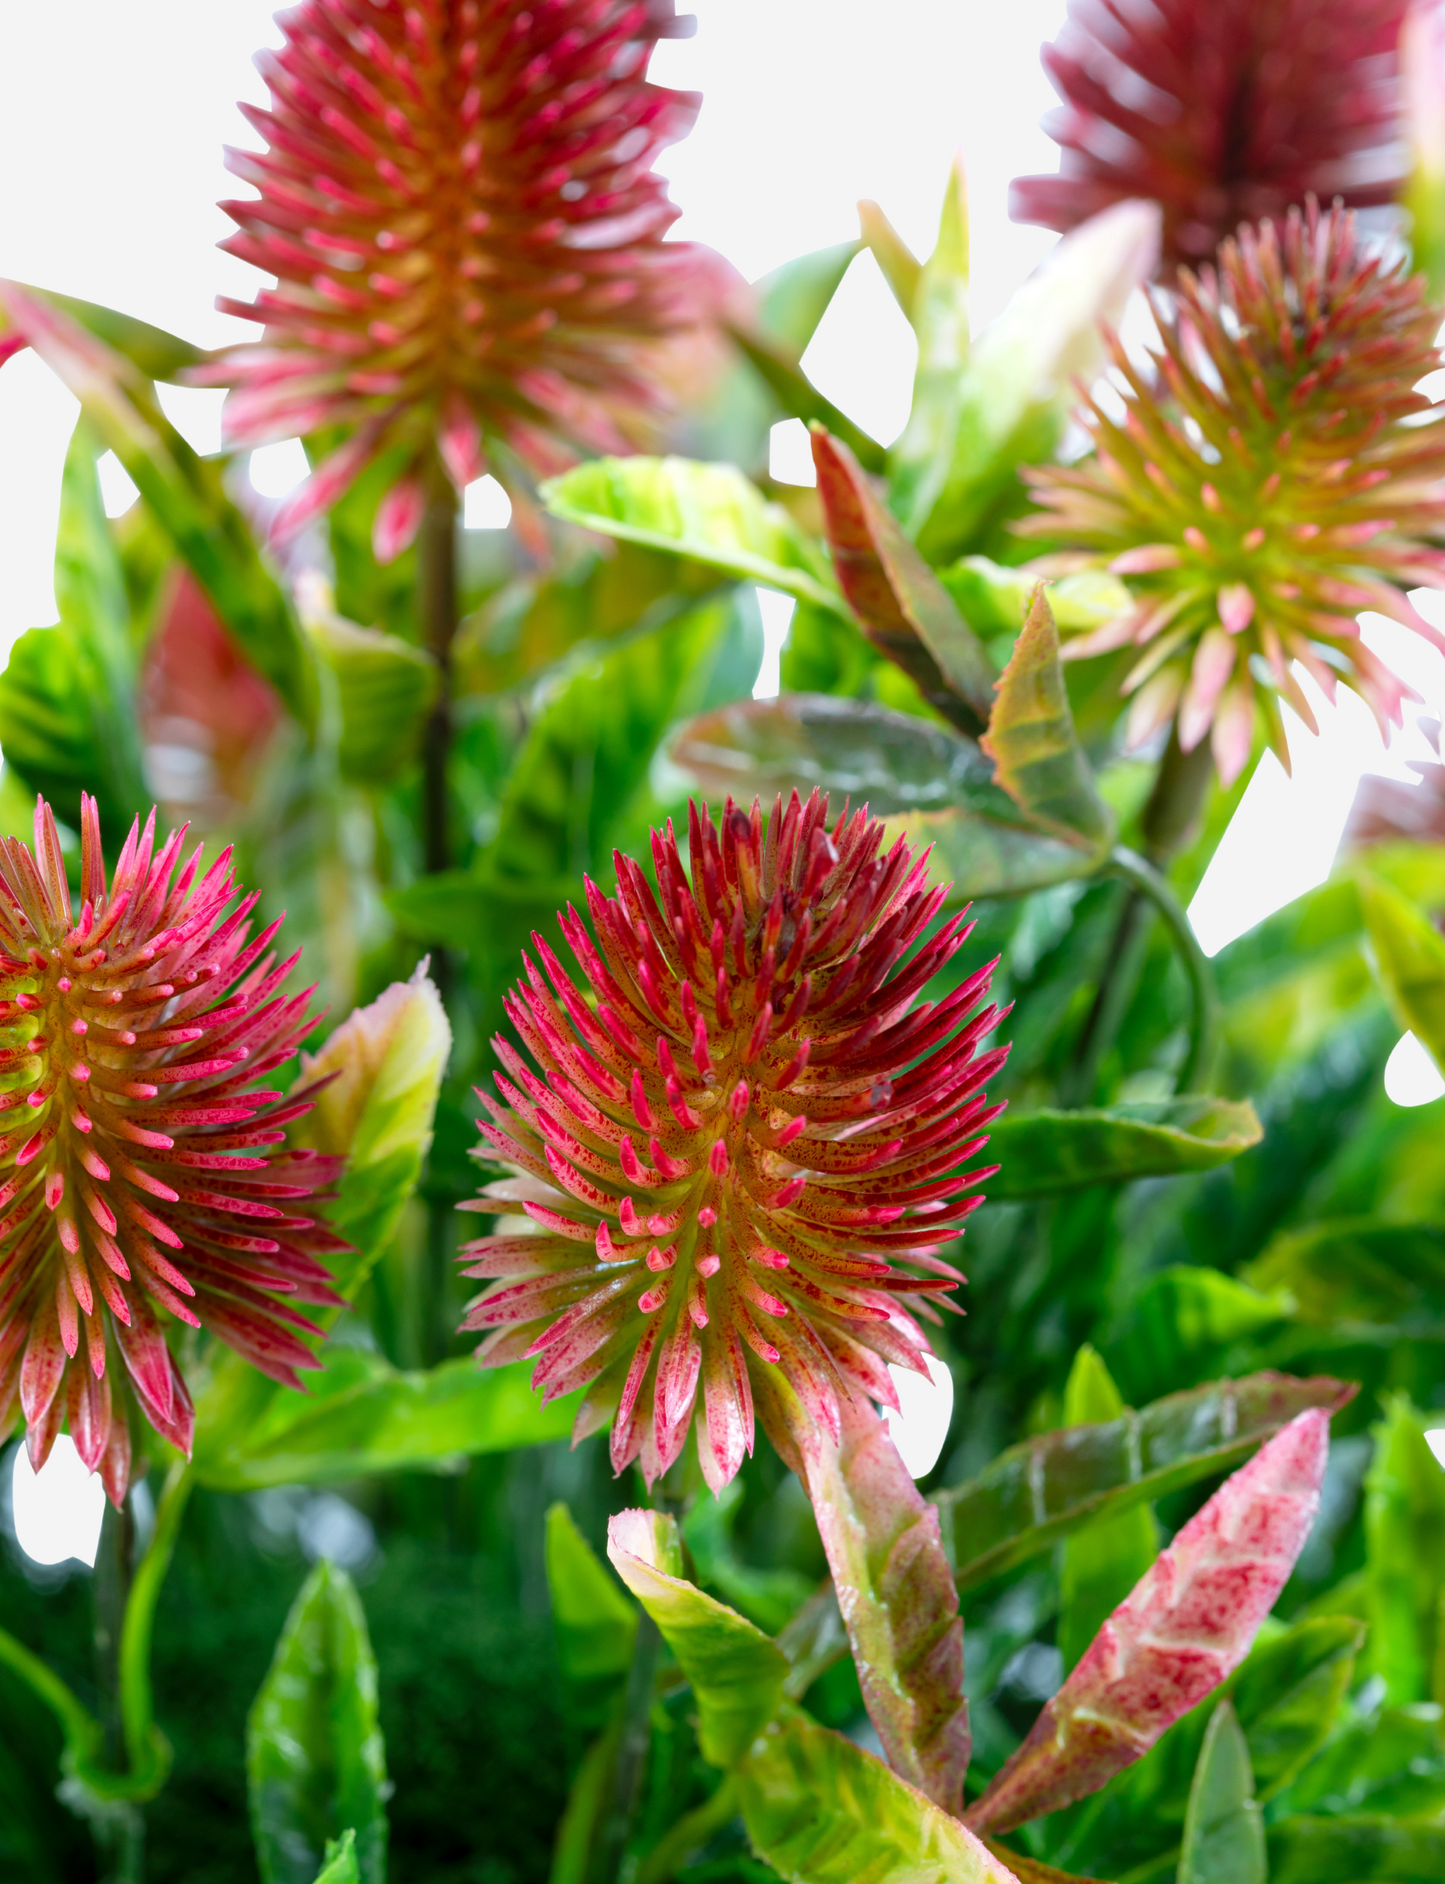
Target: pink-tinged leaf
901 606
898 1599
1187 1626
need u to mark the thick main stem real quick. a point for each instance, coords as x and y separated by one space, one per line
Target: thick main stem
437 614
630 1764
120 1834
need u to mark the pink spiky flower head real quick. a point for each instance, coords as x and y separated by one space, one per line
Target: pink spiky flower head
1270 477
140 1185
746 1157
1221 111
459 207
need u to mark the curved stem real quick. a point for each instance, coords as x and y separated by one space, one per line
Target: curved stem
1148 882
79 1725
691 1832
136 1709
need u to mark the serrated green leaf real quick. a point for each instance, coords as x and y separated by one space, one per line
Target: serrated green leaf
184 492
1034 747
385 688
1037 1492
735 1671
68 719
1044 1152
932 786
709 513
315 1761
1409 955
1102 1561
1223 1831
822 1811
1405 1533
901 606
594 1621
1356 1849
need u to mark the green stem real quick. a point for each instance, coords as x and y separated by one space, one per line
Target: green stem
79 1725
437 619
143 1748
633 1742
691 1832
110 1595
1117 984
1148 882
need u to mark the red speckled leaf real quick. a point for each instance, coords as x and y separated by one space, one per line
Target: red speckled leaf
1187 1625
901 606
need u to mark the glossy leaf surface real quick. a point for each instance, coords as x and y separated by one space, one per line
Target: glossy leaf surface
1037 1492
1184 1629
315 1762
385 688
1044 1152
709 513
1101 1561
822 1811
901 606
735 1671
1405 1530
1223 1831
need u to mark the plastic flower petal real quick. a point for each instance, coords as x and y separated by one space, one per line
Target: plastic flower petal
458 203
145 1179
742 1150
1222 111
1275 471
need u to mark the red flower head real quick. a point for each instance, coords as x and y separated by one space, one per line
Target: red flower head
459 207
1270 478
1222 111
747 1155
138 1180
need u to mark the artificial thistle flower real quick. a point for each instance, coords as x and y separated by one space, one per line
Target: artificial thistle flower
143 1184
743 1150
1222 111
1275 470
459 206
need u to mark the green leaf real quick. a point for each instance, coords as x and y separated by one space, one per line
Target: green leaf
995 597
822 1811
1223 1831
1359 1270
587 1800
340 1866
1032 742
315 1762
793 299
710 513
1044 1152
360 1415
159 355
770 1598
901 606
385 688
900 267
1405 1533
68 720
957 457
595 1623
1184 1323
1423 196
735 1671
1356 1849
1392 1761
1039 1491
933 786
938 313
1409 954
185 493
1102 1561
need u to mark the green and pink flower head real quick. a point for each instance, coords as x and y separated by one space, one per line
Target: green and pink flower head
145 1181
1275 470
742 1146
458 203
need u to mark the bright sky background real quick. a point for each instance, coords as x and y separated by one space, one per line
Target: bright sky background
111 130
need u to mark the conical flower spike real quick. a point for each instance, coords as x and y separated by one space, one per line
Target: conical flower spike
1275 472
459 207
141 1184
1222 111
742 1151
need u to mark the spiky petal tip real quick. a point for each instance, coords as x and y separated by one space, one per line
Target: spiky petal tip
1274 473
459 206
145 1180
746 1157
1221 111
